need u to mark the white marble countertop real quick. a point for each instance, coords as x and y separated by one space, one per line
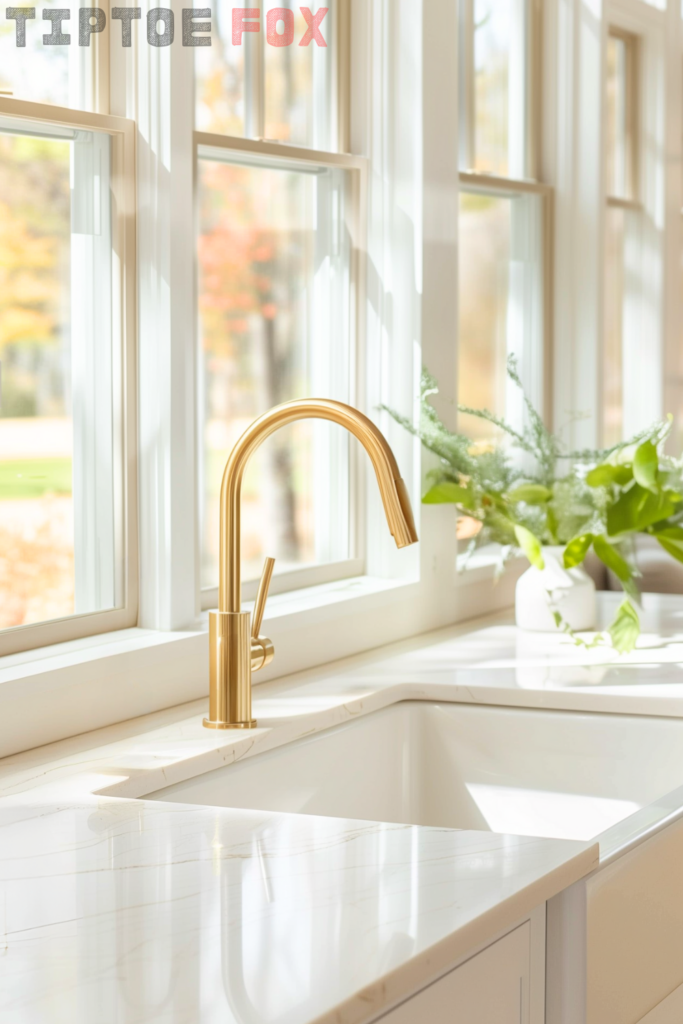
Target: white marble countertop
115 908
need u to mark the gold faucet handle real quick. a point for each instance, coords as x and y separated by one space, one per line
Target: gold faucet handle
261 598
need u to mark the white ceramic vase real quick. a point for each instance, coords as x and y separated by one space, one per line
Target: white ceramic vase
541 592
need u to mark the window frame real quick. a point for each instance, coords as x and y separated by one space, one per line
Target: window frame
499 187
122 178
632 200
275 154
511 186
532 94
283 154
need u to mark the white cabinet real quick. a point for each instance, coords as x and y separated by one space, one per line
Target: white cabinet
491 988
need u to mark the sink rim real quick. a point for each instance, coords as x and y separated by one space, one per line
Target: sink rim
274 733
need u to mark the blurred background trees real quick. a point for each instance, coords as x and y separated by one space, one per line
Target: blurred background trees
36 509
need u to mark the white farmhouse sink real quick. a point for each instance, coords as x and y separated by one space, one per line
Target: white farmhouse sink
526 772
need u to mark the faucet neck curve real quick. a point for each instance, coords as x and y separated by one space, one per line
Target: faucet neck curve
392 488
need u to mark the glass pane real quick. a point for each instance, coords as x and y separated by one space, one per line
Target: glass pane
501 308
613 360
499 86
268 84
484 289
274 324
57 544
44 73
617 118
298 96
219 76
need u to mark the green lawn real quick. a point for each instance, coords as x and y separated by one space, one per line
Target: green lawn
31 478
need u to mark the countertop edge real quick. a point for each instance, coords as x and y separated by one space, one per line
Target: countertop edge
406 981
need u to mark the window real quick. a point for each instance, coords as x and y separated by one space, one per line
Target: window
274 306
66 261
503 212
621 125
258 81
501 299
277 290
497 52
622 226
66 74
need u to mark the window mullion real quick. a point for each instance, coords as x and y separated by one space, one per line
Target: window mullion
466 86
166 349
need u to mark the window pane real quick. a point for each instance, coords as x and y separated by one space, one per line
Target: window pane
500 30
219 76
620 141
274 325
299 95
500 289
613 360
57 508
484 286
46 74
259 89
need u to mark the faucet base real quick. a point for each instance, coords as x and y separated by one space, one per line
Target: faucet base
229 725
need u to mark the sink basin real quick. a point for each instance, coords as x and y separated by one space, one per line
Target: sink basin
512 770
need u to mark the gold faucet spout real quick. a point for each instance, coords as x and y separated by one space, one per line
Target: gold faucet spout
232 651
391 486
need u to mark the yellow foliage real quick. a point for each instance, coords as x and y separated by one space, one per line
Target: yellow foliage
29 286
34 239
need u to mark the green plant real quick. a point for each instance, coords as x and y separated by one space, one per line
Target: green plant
527 491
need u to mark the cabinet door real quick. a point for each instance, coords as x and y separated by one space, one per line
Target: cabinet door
491 988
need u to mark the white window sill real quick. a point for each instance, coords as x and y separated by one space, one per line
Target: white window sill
283 609
81 685
314 602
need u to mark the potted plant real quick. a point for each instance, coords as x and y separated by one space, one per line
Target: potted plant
528 494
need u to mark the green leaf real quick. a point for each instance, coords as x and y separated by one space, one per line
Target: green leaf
638 508
530 545
671 539
447 493
607 474
609 555
646 465
576 550
532 494
625 629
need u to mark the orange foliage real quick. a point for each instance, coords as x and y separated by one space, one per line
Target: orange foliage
34 236
236 261
36 573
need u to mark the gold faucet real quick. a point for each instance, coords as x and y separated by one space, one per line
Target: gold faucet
236 648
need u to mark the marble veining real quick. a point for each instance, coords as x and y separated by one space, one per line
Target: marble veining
113 908
116 910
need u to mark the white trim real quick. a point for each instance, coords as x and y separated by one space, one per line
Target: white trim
673 236
87 684
296 579
123 297
214 146
572 162
492 184
643 316
96 384
167 456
